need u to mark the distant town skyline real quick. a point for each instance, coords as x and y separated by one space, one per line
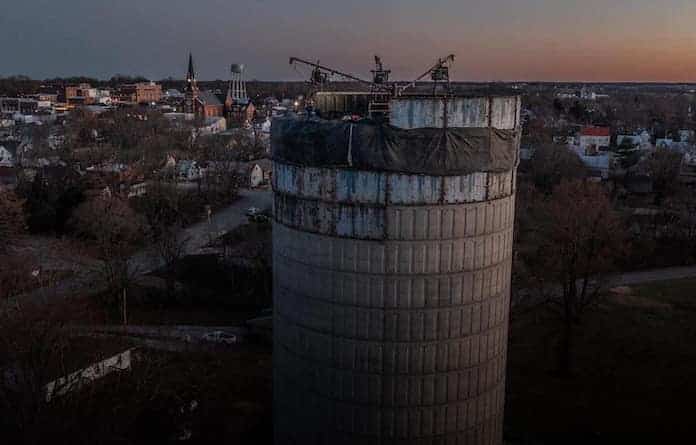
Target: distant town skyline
507 40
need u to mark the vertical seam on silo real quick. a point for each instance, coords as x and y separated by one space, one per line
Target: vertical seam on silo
350 145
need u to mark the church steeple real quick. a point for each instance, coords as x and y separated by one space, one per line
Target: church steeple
191 88
190 75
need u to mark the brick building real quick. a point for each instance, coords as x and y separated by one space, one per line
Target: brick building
239 111
140 93
207 104
82 94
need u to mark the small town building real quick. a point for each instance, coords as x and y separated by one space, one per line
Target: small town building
82 94
140 93
18 105
240 112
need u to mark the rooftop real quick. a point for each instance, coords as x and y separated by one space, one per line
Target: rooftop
596 131
208 98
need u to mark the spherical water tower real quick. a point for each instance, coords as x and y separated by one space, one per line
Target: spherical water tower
392 261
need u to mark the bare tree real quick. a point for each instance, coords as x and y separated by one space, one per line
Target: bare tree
163 209
32 347
116 231
12 220
15 269
221 181
551 164
664 166
578 236
15 276
681 215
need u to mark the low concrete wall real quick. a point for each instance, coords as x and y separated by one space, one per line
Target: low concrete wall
77 379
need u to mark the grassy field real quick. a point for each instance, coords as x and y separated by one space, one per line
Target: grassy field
635 362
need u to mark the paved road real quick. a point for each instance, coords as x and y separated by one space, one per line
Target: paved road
175 338
647 276
532 297
198 236
227 219
189 333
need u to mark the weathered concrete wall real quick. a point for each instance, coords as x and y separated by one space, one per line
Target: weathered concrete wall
496 112
391 305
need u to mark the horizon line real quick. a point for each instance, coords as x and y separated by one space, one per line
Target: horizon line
586 82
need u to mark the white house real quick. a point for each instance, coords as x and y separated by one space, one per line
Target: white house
256 173
189 171
664 142
212 125
7 159
687 135
256 176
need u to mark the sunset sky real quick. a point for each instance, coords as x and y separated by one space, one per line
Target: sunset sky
589 40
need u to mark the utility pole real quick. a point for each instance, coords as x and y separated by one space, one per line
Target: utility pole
125 312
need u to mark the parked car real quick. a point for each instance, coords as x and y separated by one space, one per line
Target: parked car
257 215
253 211
220 337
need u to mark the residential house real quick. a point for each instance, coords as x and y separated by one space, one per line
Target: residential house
664 142
189 171
7 157
212 125
592 140
687 135
633 140
137 190
256 173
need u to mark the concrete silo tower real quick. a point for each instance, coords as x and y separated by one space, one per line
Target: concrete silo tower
392 259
